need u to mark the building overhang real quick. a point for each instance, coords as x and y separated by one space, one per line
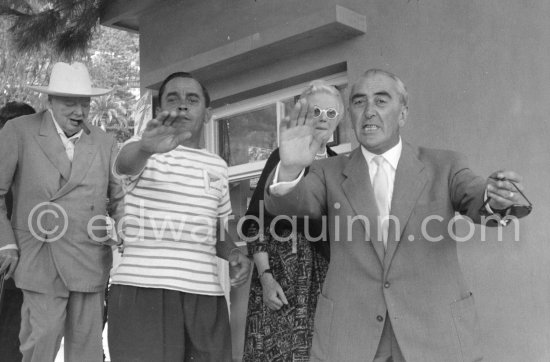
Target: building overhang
124 14
302 34
328 24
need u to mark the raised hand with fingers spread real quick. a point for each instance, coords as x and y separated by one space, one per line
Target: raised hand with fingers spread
164 133
298 141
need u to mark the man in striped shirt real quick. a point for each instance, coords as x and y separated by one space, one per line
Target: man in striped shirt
167 303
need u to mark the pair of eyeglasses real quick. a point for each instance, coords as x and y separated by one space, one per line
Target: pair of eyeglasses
516 210
331 113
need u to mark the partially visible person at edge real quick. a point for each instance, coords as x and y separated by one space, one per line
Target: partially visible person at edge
59 169
166 302
10 313
288 274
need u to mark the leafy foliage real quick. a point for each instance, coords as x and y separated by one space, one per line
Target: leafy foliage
113 60
143 112
67 26
17 70
106 111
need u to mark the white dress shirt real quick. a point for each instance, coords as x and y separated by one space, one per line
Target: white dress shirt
391 156
68 142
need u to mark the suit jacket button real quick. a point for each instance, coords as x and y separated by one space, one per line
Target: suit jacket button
92 207
386 285
379 318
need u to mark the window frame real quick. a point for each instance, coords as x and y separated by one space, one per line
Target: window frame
254 169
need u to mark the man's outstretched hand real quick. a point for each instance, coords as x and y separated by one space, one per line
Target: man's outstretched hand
163 133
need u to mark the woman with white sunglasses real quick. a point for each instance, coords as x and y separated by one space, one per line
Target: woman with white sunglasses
290 270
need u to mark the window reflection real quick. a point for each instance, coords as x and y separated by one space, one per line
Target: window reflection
251 136
248 137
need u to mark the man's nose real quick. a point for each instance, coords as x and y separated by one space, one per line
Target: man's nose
369 112
183 107
78 110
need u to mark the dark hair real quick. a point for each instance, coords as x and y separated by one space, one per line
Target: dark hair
183 75
14 109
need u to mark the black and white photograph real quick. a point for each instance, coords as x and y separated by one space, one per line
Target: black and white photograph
274 181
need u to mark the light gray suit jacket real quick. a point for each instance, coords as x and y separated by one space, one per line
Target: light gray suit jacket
416 281
33 162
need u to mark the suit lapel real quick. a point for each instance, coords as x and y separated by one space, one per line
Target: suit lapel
53 148
409 182
84 154
359 192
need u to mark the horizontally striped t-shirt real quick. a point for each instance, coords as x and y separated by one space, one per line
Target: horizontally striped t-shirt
171 210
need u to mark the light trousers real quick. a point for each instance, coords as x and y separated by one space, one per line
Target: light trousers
46 318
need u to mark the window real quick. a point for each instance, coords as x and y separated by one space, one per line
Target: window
248 137
245 133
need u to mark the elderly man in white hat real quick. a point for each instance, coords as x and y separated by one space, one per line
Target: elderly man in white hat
59 170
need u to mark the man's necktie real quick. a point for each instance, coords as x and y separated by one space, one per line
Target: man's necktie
70 148
381 193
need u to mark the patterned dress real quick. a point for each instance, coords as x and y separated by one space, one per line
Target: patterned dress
300 268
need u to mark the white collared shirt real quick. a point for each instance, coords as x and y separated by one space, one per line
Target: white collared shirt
68 142
391 157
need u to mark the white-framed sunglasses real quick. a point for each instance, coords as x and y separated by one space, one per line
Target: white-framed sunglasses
331 113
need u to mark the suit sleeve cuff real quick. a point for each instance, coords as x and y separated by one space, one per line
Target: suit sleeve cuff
283 188
503 220
9 247
487 207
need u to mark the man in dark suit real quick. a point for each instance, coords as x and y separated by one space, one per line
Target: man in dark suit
59 170
394 289
12 298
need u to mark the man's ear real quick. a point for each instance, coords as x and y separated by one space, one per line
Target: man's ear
403 116
207 115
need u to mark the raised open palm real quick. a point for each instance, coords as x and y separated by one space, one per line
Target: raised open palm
162 134
298 144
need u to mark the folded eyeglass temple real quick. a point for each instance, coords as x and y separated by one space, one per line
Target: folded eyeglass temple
515 186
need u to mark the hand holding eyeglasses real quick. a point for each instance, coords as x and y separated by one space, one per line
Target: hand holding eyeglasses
505 194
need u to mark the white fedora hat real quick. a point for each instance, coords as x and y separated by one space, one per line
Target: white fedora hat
72 80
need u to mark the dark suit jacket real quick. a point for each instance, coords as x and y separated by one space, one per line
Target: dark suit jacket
34 163
416 281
